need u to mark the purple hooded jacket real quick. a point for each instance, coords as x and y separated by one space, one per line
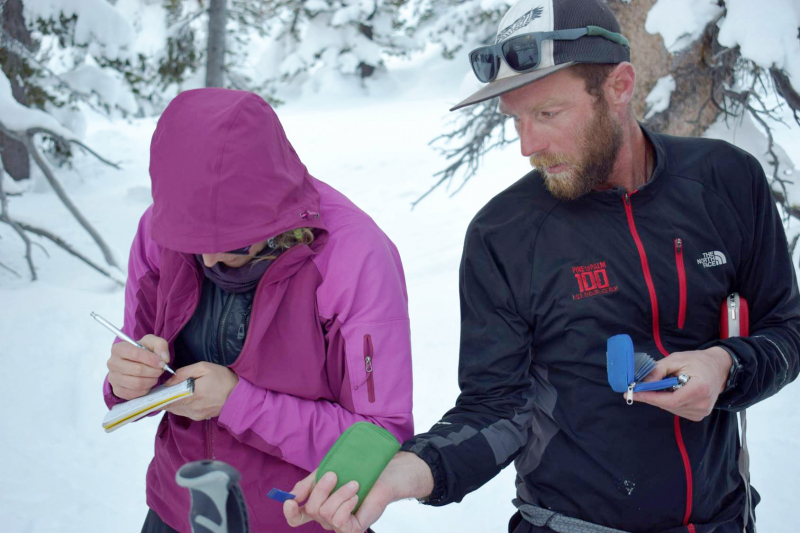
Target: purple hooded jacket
225 176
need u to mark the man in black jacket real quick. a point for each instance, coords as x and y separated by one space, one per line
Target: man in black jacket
618 230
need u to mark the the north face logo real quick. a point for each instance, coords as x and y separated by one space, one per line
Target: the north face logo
712 259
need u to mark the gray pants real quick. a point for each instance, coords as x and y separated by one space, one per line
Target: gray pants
517 524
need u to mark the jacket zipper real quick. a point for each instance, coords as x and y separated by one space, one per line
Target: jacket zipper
209 443
368 355
245 323
681 282
687 467
223 323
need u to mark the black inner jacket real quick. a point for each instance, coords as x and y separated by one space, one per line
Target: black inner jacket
218 328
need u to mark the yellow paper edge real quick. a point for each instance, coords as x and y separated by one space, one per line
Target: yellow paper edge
146 409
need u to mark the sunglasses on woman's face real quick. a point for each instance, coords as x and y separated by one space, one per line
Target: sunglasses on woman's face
523 52
240 251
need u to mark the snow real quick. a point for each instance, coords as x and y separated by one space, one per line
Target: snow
98 23
766 32
16 117
659 97
766 35
680 22
62 473
148 22
107 84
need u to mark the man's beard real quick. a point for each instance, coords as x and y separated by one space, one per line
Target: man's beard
598 150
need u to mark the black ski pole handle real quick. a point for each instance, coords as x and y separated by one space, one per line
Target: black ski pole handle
218 504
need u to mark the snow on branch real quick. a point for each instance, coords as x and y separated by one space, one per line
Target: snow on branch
98 23
22 123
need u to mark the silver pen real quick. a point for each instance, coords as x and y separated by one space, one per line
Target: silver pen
109 326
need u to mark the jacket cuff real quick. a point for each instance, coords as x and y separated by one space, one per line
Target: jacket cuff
238 397
723 400
110 398
433 459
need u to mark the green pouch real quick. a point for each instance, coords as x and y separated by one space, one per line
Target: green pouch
361 454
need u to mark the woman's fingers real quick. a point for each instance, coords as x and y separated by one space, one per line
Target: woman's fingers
157 345
135 383
128 394
134 361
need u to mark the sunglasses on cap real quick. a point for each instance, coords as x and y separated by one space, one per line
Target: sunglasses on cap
523 52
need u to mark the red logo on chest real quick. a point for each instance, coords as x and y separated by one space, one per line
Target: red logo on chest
592 280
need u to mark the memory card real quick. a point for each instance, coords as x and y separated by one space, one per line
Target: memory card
280 495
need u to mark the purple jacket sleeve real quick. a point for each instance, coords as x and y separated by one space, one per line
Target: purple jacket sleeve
140 291
363 298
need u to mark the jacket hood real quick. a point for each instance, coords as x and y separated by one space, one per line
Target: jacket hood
224 175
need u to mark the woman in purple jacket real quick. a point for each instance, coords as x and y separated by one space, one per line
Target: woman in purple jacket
284 301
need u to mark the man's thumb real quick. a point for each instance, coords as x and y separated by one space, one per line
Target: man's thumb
661 370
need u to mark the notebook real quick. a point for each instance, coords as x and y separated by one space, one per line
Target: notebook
155 400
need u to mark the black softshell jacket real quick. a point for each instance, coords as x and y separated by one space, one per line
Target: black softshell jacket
545 283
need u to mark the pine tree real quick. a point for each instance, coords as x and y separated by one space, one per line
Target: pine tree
317 38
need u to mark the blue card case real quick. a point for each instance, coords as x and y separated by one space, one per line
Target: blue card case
626 368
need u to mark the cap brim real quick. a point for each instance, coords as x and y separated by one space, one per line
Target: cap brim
498 87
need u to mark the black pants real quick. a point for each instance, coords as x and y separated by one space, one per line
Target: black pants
517 524
154 524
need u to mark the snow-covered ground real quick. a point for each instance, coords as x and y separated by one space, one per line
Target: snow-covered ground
59 472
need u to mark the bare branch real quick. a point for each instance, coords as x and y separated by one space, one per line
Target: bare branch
793 245
5 217
10 269
66 142
784 88
63 244
478 125
62 194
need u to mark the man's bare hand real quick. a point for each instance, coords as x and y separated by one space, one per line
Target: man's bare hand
132 372
708 372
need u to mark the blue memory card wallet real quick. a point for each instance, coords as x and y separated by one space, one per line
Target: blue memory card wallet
627 369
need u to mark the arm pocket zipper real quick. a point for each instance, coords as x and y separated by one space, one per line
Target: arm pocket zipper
368 365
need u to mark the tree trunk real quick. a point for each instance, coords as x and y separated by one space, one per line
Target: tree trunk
215 71
13 153
697 76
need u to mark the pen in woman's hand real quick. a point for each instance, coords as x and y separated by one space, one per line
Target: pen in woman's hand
109 326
